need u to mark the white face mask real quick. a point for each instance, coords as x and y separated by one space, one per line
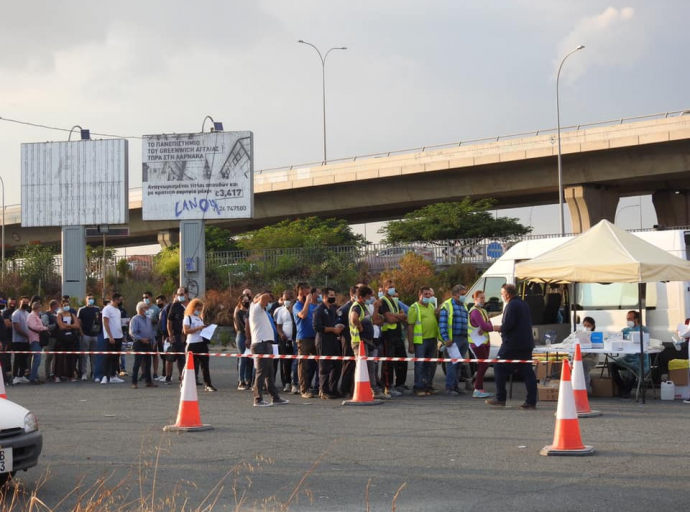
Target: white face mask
588 329
287 303
631 324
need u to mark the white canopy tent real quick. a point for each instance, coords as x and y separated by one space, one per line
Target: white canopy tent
606 254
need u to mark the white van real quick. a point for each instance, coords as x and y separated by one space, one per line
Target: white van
664 307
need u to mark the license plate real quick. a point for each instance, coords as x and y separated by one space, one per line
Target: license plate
5 460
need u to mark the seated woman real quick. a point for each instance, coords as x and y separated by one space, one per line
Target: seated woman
589 361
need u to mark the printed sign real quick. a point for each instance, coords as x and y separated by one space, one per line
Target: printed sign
198 176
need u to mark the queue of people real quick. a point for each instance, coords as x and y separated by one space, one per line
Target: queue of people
305 322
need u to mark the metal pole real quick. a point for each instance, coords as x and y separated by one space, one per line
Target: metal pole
560 167
2 271
640 376
103 269
323 80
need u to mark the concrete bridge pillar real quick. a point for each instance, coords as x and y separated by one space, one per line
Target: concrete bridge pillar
589 205
672 207
168 237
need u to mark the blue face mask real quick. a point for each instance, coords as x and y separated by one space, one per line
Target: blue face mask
91 302
462 298
426 300
391 291
269 305
181 298
319 298
197 312
147 301
369 301
380 295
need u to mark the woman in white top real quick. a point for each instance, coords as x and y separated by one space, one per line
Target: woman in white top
192 325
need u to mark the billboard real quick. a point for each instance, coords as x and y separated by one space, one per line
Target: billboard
74 183
198 176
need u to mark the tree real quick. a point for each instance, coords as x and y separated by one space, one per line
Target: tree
445 221
310 233
414 272
38 264
219 239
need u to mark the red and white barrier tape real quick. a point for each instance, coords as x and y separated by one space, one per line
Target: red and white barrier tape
285 356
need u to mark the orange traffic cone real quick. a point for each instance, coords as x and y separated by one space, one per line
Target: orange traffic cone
566 438
580 387
3 394
188 416
363 393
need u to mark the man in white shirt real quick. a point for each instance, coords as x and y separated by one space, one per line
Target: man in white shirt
262 336
112 332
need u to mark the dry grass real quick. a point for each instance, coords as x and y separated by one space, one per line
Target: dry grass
109 494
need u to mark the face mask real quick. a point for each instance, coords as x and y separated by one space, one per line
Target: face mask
26 307
588 329
269 305
381 295
426 300
433 302
147 301
462 299
631 324
181 298
331 300
246 304
391 291
287 303
319 298
91 302
197 312
369 301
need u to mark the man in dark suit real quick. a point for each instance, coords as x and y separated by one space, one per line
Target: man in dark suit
518 343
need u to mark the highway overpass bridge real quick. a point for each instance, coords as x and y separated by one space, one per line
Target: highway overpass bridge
601 163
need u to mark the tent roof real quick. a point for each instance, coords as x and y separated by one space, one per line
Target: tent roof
605 254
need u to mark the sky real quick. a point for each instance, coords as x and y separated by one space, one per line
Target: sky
415 73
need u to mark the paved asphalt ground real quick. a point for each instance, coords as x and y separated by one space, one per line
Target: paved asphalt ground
448 453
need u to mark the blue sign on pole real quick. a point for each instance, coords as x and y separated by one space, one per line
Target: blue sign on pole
494 250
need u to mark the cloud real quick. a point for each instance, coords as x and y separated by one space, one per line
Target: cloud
614 37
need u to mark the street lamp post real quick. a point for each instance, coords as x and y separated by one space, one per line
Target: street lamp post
2 269
558 120
323 77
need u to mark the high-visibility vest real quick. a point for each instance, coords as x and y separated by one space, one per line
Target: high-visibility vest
394 308
354 332
417 337
471 328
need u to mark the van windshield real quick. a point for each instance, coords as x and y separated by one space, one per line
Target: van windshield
612 296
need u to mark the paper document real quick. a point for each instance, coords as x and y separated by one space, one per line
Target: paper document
476 338
275 349
208 331
453 352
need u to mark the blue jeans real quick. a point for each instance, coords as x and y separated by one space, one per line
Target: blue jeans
295 374
99 371
452 369
245 364
36 349
422 371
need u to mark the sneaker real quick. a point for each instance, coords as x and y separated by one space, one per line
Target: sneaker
135 386
116 380
279 401
380 395
15 381
210 389
404 390
432 391
161 378
84 377
528 407
451 392
327 396
23 380
104 380
123 373
480 393
97 380
262 403
287 388
494 402
459 390
57 380
151 385
421 392
154 377
393 392
307 395
295 390
242 387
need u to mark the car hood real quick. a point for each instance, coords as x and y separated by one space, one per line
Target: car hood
11 414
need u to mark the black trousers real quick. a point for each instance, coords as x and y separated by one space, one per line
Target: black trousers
503 370
112 361
264 383
329 371
142 360
200 361
6 359
21 361
394 374
347 380
284 348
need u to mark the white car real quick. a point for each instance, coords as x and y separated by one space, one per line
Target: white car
20 441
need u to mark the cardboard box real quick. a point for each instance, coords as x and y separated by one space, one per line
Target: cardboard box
604 387
548 369
679 377
548 393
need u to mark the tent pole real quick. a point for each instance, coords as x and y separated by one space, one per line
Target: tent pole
640 376
573 306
